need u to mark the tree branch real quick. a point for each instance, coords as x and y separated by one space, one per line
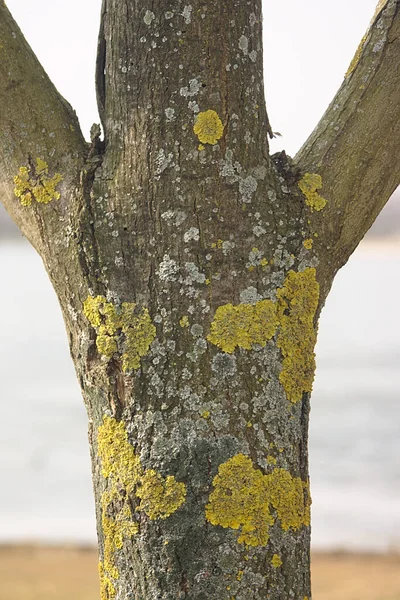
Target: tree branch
355 148
41 146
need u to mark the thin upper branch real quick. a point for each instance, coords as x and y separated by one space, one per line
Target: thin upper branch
355 148
36 124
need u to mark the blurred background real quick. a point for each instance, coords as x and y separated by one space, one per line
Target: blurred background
47 526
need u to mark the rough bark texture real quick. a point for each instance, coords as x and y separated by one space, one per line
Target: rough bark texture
191 267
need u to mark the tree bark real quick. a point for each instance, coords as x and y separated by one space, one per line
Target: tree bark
191 267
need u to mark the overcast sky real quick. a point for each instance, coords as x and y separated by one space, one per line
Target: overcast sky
308 45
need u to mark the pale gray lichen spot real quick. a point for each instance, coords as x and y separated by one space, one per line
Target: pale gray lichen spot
119 261
260 172
174 217
163 161
200 346
196 330
171 345
247 187
73 313
169 14
247 137
170 114
255 257
168 269
224 364
378 46
227 246
192 234
253 56
193 274
193 106
244 44
282 258
192 89
229 169
258 230
250 295
187 13
186 374
149 17
252 19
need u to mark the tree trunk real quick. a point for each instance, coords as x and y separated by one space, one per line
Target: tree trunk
191 268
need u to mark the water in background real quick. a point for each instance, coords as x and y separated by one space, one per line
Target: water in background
45 479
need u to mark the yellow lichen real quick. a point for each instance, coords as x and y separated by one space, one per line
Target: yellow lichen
208 127
357 56
246 499
107 588
308 243
184 322
238 501
276 561
160 497
297 306
243 325
290 498
34 183
309 184
120 329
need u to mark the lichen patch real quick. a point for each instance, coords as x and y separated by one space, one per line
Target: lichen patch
291 317
33 183
159 497
243 325
297 306
244 498
309 184
125 330
208 127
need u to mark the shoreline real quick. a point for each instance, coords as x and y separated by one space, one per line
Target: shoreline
64 571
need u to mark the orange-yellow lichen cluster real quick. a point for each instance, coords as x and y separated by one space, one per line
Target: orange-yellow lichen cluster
356 58
160 497
34 183
244 498
292 316
309 184
297 306
276 561
243 325
308 243
120 329
208 127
